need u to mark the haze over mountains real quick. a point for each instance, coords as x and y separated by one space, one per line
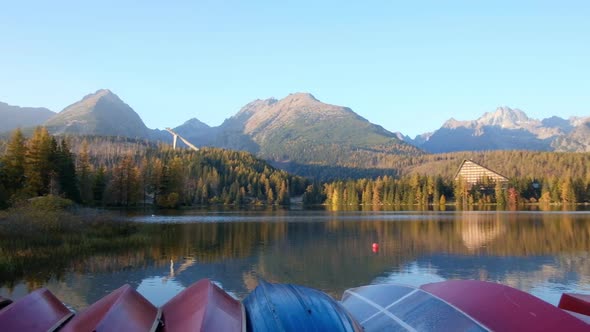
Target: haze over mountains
100 113
13 116
301 129
507 129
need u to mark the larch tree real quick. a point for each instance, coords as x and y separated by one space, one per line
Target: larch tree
84 171
13 164
39 162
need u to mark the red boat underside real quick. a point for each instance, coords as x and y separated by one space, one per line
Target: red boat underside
577 303
503 308
203 307
38 311
122 310
4 302
89 318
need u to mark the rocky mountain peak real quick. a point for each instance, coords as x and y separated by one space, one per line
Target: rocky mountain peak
102 113
557 122
103 94
300 98
504 117
195 123
99 94
454 123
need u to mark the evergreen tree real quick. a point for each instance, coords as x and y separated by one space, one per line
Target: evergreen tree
353 197
313 195
461 192
99 185
84 174
283 197
377 192
555 190
3 192
500 195
367 197
66 172
39 162
13 164
568 195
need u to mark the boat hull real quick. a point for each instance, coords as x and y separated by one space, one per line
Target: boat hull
122 310
285 307
40 310
203 307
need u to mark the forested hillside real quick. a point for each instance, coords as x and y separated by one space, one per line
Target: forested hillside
116 171
544 177
125 172
512 164
435 191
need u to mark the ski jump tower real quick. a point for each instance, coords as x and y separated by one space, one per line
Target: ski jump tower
176 137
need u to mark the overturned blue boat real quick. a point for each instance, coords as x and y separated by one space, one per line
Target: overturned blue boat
285 307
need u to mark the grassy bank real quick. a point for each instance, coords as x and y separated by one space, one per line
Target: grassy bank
41 236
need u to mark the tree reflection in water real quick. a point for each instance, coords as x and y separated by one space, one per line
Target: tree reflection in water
326 250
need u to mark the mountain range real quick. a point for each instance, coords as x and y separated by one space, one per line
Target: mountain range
300 129
14 116
508 129
101 113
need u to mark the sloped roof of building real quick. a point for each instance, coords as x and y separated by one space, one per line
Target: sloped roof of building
486 171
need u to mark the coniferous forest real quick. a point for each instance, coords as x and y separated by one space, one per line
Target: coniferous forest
111 171
117 171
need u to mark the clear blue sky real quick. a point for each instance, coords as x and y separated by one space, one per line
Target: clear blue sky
406 65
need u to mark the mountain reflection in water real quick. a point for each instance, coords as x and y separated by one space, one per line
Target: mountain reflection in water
545 253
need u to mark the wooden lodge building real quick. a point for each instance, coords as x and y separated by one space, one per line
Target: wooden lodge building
472 173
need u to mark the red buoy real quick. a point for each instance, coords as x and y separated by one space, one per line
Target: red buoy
375 247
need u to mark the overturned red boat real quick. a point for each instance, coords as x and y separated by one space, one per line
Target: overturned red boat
454 305
122 310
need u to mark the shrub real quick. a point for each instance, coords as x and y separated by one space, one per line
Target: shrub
50 203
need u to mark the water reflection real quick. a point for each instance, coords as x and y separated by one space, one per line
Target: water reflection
543 253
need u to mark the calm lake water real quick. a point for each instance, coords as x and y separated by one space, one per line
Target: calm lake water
543 253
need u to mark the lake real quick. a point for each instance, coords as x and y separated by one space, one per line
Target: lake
543 253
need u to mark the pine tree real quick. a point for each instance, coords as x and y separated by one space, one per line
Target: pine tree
84 174
313 195
367 197
500 195
3 192
377 192
283 197
126 182
66 172
353 197
461 192
4 195
39 162
14 164
99 185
